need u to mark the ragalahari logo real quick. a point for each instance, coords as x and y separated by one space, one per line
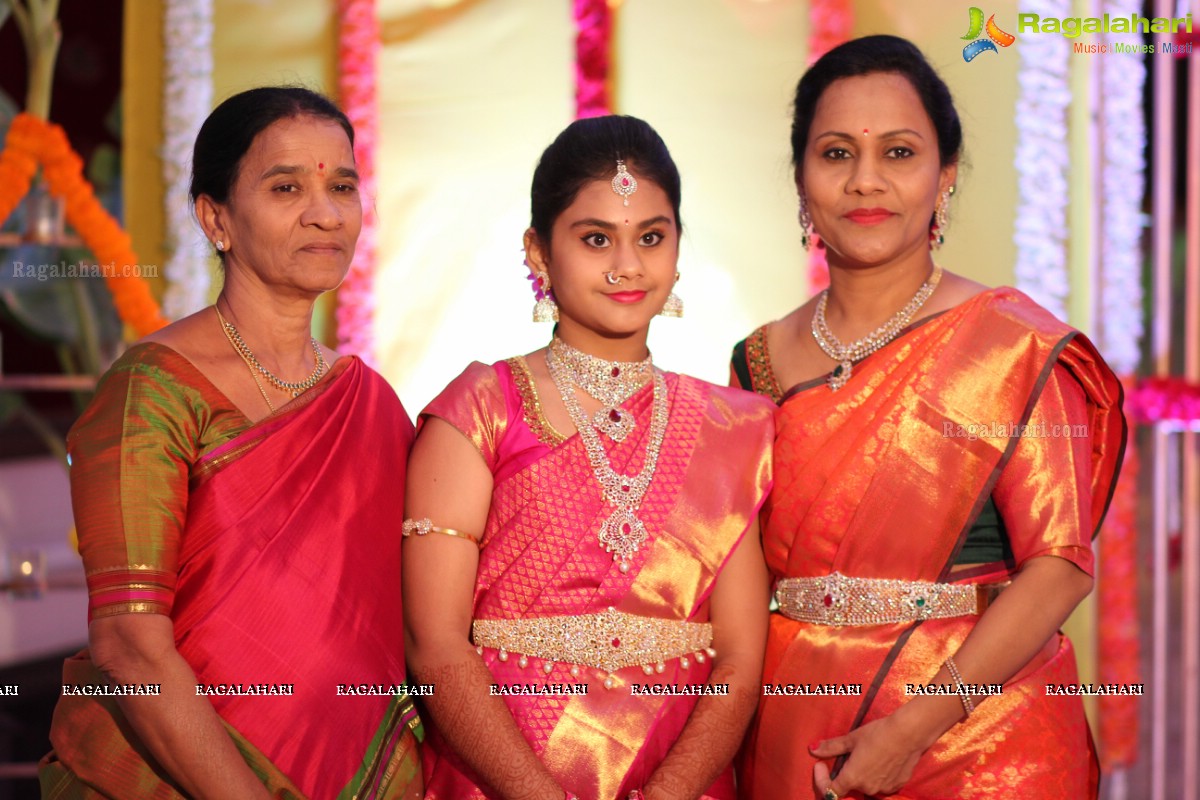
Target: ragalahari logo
995 36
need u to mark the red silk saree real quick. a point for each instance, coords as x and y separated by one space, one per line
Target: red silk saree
275 549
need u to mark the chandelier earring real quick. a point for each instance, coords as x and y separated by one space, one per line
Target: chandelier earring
545 309
674 305
941 218
806 229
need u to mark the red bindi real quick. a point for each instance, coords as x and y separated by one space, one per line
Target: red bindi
322 166
865 131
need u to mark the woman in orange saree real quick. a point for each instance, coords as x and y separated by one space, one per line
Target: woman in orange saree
969 445
242 560
593 614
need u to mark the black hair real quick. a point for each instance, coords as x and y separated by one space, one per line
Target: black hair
588 150
866 56
230 129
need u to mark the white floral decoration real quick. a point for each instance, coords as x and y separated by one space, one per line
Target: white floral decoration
187 99
1123 145
1042 161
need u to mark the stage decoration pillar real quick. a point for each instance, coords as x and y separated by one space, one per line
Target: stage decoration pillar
358 56
593 43
187 98
1191 439
1119 330
830 22
1165 446
1042 160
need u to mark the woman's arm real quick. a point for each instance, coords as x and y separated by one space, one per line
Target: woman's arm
1022 620
716 726
449 483
180 729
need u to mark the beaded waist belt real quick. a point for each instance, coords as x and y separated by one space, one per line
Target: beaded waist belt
607 641
841 600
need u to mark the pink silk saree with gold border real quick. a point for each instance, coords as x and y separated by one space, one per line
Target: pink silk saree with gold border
540 557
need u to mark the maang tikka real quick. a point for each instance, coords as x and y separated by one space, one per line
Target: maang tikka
623 183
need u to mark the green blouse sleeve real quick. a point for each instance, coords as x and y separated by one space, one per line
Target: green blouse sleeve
131 454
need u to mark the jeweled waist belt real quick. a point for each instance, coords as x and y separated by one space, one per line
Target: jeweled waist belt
842 600
607 641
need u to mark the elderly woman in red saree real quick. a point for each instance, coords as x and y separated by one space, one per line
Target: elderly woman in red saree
242 555
938 442
583 580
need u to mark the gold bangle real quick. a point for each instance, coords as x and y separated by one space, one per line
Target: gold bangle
423 527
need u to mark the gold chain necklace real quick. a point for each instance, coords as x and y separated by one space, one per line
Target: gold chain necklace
610 382
623 532
296 388
249 366
846 354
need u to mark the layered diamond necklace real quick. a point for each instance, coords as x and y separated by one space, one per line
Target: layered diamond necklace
612 382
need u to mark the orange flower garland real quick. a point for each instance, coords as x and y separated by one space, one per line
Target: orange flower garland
31 141
18 163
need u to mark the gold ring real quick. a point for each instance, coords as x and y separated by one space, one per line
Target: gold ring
830 794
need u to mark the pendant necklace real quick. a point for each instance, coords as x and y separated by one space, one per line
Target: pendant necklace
846 354
610 382
622 533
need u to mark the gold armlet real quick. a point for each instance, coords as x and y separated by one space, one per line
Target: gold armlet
423 527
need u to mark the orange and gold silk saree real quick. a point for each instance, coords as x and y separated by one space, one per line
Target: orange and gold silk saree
883 479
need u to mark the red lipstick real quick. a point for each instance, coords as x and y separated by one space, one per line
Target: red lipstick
626 297
869 216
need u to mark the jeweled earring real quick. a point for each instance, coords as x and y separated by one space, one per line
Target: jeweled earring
220 246
941 217
806 231
545 309
674 305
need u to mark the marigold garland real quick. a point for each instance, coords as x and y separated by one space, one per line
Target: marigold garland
31 141
18 163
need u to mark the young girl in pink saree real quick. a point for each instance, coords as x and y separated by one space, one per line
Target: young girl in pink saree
583 578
